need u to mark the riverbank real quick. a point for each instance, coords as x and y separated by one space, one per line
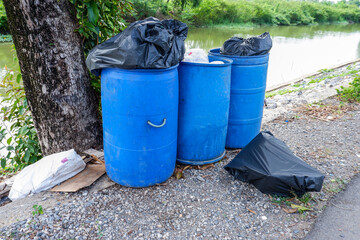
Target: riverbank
208 203
309 89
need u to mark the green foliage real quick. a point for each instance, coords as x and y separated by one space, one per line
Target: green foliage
17 132
351 93
4 26
153 8
274 12
38 210
100 19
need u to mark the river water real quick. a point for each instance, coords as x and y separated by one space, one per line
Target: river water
297 50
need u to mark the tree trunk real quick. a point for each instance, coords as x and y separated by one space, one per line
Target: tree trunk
56 81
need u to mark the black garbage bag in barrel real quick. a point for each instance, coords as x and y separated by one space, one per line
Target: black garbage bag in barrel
149 44
268 164
252 46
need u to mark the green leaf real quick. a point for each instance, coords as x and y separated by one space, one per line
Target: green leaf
31 148
10 148
93 12
18 78
9 140
300 208
3 162
27 156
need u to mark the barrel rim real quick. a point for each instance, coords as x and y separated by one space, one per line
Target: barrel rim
211 51
227 62
144 69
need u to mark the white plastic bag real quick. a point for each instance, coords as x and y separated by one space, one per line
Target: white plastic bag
196 55
46 173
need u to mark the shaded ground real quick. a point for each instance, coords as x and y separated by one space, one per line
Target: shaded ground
341 219
208 204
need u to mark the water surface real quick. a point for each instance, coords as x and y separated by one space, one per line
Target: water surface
297 50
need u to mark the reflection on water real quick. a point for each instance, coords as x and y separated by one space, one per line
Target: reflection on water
297 50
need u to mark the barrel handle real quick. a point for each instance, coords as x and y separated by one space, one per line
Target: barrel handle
157 126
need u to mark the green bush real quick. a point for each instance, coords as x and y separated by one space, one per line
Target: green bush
4 26
274 12
351 93
153 8
17 126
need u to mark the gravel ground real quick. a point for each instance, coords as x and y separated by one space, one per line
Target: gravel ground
208 204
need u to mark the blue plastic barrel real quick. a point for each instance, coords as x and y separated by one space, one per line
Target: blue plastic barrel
204 97
140 116
248 84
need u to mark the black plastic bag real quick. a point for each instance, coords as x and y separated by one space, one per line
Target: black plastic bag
252 46
268 164
148 43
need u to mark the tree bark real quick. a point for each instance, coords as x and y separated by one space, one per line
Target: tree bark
56 80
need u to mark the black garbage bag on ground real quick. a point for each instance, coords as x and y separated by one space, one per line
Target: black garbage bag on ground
148 43
252 46
268 164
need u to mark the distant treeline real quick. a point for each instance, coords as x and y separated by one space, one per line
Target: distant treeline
273 12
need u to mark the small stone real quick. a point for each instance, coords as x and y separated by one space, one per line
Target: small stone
200 179
263 218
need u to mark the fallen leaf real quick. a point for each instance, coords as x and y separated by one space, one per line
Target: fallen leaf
251 211
291 210
207 166
300 208
178 173
186 167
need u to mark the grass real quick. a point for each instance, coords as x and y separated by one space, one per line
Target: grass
286 91
295 204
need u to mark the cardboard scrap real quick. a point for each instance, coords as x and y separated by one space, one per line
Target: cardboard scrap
94 152
103 182
83 179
